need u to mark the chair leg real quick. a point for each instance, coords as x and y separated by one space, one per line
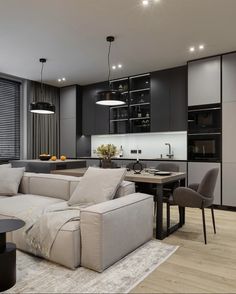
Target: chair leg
213 219
204 225
168 218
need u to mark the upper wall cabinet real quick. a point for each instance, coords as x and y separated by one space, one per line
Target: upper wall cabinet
95 117
169 100
204 81
229 77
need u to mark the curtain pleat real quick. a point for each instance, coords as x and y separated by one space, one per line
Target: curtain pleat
44 129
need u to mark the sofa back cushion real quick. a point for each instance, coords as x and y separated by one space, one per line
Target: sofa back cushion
57 186
60 186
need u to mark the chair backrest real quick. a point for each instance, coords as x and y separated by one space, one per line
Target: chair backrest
208 183
170 167
131 164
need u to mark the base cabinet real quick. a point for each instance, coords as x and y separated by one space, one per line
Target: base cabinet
229 184
196 172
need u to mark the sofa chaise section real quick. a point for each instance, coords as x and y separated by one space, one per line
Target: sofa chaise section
99 226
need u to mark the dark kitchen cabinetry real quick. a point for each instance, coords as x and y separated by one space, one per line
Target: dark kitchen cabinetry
95 117
169 100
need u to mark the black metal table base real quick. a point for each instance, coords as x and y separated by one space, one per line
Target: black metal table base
160 232
7 264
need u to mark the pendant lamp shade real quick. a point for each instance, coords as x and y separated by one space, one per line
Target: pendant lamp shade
42 107
109 97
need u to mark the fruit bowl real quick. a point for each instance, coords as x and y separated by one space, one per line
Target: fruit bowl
44 157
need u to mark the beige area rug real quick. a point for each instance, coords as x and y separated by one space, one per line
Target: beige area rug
36 275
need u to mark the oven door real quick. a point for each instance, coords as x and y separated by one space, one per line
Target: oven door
204 147
204 120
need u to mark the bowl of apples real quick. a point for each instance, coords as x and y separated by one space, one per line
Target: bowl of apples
44 157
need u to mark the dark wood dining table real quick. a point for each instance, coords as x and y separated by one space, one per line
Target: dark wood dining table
146 177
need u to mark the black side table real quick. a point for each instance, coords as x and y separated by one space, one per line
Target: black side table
8 253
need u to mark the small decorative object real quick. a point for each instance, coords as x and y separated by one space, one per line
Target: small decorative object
137 167
106 152
63 158
44 157
53 158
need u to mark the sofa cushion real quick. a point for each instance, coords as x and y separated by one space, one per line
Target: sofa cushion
125 187
97 185
6 165
49 185
10 179
14 206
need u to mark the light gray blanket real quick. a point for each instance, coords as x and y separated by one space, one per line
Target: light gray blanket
43 225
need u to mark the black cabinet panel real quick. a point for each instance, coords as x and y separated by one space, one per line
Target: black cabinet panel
95 117
160 101
178 99
169 100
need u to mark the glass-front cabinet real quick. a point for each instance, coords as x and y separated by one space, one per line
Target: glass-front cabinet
134 116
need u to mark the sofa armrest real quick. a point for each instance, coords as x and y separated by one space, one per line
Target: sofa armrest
112 229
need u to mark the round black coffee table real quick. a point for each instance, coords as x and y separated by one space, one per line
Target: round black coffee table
8 253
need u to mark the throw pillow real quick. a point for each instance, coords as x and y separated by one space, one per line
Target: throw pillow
97 185
10 179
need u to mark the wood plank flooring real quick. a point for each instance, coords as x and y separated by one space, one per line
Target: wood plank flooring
195 267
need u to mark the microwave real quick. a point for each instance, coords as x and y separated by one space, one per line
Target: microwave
204 119
204 147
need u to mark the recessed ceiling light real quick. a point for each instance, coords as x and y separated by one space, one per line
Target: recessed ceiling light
201 47
120 65
192 49
64 79
145 2
113 67
59 80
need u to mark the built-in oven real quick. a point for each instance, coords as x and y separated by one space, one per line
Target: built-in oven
204 119
204 147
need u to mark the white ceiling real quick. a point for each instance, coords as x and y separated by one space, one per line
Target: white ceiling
71 34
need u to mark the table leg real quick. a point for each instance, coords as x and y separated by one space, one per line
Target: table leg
182 209
159 214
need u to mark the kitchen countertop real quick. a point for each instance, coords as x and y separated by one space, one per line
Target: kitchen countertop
134 159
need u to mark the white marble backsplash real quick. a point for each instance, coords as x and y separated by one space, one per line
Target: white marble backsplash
151 144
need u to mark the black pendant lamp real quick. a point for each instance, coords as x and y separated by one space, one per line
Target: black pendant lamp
42 107
109 97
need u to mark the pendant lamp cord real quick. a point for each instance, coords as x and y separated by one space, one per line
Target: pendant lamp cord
42 79
109 65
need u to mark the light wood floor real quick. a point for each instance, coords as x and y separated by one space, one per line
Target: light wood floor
195 267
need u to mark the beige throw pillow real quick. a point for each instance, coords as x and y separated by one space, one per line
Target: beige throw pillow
97 185
10 179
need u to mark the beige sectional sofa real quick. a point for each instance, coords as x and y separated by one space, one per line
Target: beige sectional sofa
105 233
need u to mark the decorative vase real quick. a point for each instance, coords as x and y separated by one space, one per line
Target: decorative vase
106 163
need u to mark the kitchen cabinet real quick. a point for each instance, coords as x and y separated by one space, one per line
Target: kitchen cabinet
68 104
229 77
95 117
196 172
204 81
178 99
160 101
229 184
169 100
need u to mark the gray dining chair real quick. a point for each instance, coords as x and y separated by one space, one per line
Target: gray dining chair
199 196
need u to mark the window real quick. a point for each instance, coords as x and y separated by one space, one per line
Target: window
9 119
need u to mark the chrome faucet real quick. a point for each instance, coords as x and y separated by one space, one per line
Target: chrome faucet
170 155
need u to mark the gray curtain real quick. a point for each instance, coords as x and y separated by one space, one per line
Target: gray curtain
43 130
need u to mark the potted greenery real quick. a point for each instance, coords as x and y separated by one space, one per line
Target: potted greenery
106 152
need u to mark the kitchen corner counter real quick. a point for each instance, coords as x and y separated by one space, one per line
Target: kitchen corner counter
39 166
